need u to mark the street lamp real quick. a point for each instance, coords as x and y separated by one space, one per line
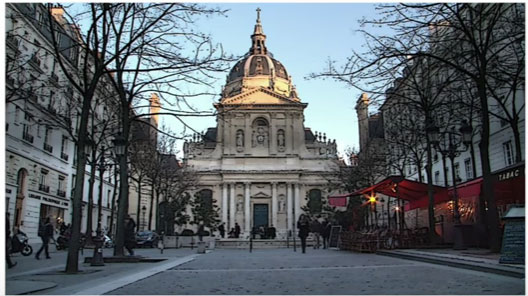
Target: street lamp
144 208
88 144
119 145
451 150
100 201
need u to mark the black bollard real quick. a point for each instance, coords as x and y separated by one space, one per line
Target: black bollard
97 259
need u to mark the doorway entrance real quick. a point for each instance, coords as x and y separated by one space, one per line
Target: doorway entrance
260 215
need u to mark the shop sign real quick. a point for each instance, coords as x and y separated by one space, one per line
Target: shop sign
31 195
51 200
48 199
510 174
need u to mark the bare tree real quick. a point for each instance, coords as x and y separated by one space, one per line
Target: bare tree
465 37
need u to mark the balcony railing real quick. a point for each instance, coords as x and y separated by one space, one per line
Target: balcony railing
12 41
48 148
35 61
51 109
27 137
54 78
61 193
64 156
44 188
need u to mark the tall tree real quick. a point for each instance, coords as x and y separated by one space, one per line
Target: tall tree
465 37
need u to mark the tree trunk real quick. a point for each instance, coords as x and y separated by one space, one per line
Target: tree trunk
487 181
138 209
151 207
157 210
517 140
112 210
72 261
122 208
100 200
430 192
89 212
473 160
444 169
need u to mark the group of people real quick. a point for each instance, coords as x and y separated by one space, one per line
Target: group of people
264 232
233 233
318 226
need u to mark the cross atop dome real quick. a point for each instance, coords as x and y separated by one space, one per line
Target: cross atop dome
258 38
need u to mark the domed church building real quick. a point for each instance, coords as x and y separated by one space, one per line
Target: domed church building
260 163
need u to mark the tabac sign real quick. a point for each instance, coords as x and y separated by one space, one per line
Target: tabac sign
510 173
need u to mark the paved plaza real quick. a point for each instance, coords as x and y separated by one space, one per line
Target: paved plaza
330 272
263 271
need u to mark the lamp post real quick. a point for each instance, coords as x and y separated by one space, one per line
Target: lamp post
144 210
451 150
120 151
100 201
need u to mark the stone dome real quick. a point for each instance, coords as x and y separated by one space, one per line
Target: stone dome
257 69
255 65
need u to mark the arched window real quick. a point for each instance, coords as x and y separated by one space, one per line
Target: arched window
260 122
206 198
315 203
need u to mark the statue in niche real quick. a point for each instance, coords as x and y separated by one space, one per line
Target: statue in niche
240 205
260 137
282 204
240 140
281 140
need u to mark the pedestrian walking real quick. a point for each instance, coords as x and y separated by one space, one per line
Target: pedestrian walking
10 263
304 229
201 230
315 229
45 232
237 230
326 233
130 235
221 228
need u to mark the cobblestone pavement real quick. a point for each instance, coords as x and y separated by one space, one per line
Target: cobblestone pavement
322 272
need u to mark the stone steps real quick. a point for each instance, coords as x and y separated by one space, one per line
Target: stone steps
258 243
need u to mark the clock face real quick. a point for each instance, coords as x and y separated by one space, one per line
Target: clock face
260 138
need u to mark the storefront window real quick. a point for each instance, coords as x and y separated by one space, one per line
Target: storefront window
55 214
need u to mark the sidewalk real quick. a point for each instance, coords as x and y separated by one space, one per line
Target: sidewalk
475 259
46 276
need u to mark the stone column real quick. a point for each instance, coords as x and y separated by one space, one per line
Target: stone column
274 208
297 201
247 210
224 205
232 209
290 207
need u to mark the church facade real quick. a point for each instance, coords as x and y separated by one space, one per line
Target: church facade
260 163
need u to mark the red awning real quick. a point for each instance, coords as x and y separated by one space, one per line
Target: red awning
468 190
399 187
337 201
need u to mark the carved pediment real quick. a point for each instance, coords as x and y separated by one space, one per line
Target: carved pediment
261 195
259 96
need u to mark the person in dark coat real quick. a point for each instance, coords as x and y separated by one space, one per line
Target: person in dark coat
304 229
10 263
201 230
45 232
326 233
237 230
130 235
221 228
